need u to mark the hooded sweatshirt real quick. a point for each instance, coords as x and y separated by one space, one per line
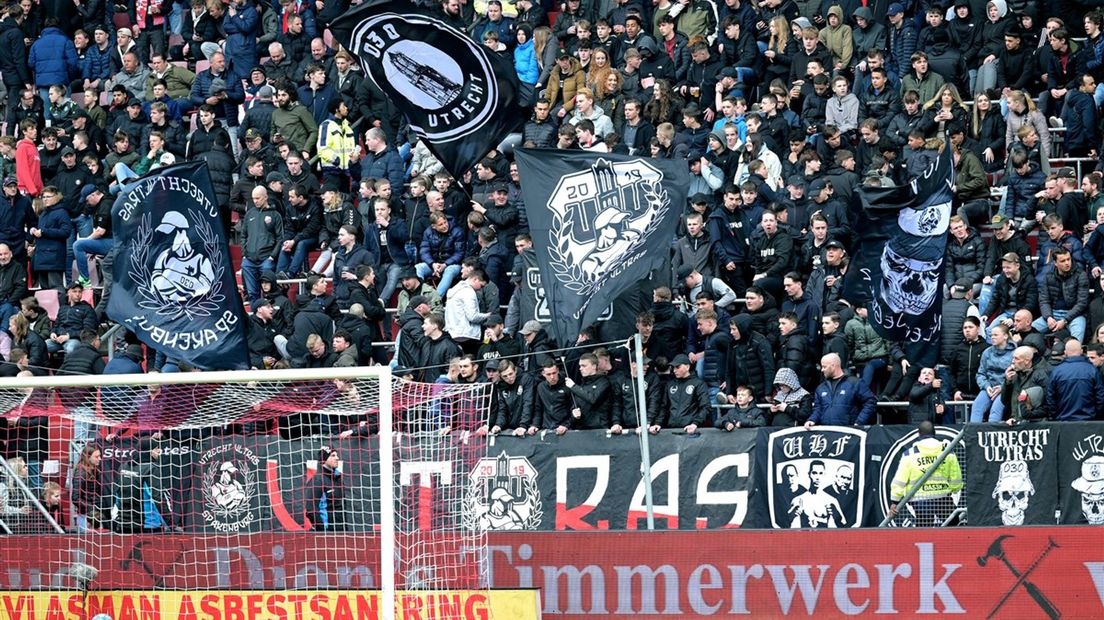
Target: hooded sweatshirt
838 39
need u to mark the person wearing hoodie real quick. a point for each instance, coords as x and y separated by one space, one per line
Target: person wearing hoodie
525 57
990 378
931 503
867 35
790 404
670 326
326 494
750 360
586 110
990 39
744 413
837 38
139 493
567 79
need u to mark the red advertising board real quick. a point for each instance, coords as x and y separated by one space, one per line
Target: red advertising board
1027 572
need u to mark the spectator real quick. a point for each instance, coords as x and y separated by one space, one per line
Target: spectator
441 251
687 398
750 361
790 404
348 256
438 349
87 490
841 400
462 313
1022 375
261 232
966 360
745 413
1064 297
1075 389
411 333
989 404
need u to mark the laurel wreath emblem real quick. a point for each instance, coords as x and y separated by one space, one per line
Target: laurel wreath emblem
573 276
202 306
209 478
475 508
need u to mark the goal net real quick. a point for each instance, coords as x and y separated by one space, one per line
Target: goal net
276 480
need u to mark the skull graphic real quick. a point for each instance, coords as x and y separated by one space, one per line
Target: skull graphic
1013 491
909 285
1091 487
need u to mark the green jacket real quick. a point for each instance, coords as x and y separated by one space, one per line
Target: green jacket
297 127
863 342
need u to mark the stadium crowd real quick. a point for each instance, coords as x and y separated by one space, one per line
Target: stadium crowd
782 110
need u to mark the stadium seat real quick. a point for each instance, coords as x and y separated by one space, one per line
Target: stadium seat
48 299
202 65
121 20
328 39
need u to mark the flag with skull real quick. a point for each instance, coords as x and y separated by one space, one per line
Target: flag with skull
898 267
174 283
1081 473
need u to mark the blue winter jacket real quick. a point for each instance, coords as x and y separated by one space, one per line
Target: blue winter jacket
96 65
55 225
525 63
397 234
53 58
994 362
1075 391
386 165
846 401
445 248
241 39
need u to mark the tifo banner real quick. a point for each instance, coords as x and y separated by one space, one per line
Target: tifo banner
1013 474
591 481
458 95
600 224
301 605
174 284
815 478
899 263
1081 472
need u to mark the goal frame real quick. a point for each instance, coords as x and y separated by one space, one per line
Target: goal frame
386 430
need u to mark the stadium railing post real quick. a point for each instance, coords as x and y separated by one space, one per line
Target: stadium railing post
642 424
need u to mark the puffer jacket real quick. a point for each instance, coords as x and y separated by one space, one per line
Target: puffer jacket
13 55
573 81
965 363
72 318
750 360
688 402
669 333
447 248
714 362
965 259
96 64
1069 292
525 63
994 362
53 58
241 39
1026 295
221 165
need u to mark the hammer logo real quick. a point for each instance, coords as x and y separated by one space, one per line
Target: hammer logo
996 551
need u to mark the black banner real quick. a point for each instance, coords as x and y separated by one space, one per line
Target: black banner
455 93
888 448
174 283
1012 472
1081 473
600 224
898 266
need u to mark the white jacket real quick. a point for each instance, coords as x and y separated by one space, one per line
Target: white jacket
462 315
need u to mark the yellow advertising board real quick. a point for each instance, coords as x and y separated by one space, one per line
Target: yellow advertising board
270 605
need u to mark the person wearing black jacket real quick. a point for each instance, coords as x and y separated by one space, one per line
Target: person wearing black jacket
750 358
687 399
391 234
1012 290
13 284
793 352
438 349
17 216
670 328
74 315
654 398
743 414
326 494
261 335
302 223
496 342
553 403
363 293
834 340
316 315
513 399
592 396
13 61
772 254
763 310
966 359
411 334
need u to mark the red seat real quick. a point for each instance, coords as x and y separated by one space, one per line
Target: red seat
48 299
121 20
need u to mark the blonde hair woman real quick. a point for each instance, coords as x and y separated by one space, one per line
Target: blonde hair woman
1022 111
545 46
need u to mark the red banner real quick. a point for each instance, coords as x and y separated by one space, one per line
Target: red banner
1023 572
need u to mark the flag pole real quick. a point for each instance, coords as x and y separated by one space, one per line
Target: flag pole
642 424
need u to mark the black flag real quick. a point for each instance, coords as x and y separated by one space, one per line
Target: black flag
174 283
898 268
600 223
456 94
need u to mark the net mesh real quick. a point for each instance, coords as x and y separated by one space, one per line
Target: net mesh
269 483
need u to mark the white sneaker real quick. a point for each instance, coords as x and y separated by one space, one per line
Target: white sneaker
1056 122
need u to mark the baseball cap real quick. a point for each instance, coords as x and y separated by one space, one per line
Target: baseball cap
265 92
492 365
1066 172
418 300
999 220
260 301
499 187
88 190
252 134
817 186
563 53
700 198
494 319
796 180
274 177
680 360
75 284
126 32
10 180
964 284
68 151
531 326
834 244
730 72
684 272
895 8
